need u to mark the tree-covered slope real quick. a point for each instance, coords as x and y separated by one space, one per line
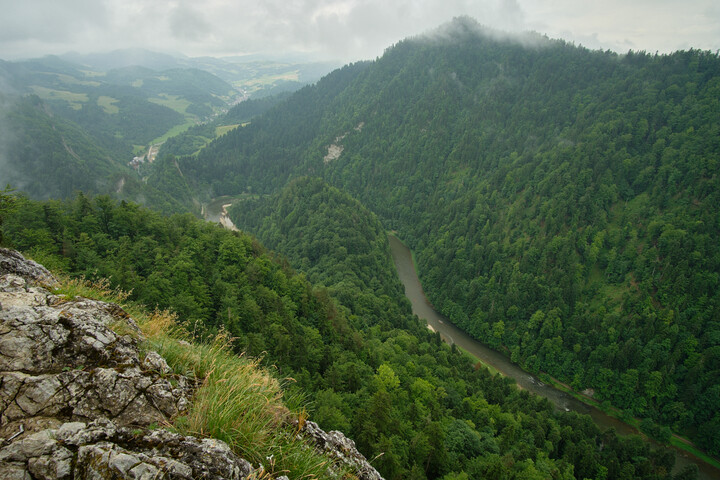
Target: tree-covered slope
413 405
326 234
48 156
120 108
562 203
262 156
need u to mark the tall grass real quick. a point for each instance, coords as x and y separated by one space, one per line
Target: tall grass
237 401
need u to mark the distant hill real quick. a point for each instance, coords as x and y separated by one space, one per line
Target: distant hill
46 156
49 157
123 108
561 202
117 105
130 57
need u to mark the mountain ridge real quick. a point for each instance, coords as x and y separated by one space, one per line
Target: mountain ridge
540 188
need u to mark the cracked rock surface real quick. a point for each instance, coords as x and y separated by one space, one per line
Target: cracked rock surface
341 449
77 399
80 401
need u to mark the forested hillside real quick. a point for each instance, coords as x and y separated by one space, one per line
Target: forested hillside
123 108
562 203
416 407
47 156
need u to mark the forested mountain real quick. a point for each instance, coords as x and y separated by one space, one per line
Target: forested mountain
47 156
195 138
562 203
415 406
124 107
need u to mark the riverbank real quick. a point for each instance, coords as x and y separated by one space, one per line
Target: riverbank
561 395
677 441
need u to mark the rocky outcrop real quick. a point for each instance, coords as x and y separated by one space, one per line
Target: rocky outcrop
78 400
341 449
14 263
100 450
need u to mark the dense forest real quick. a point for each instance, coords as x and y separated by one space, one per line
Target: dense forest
195 138
562 202
562 205
414 405
47 156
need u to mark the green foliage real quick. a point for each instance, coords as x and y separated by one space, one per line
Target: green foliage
406 396
236 401
123 107
562 204
138 122
7 206
251 108
190 141
555 181
378 373
51 157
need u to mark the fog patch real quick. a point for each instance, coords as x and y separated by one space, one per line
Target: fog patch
8 139
464 27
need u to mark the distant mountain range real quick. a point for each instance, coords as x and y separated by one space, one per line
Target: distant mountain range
88 116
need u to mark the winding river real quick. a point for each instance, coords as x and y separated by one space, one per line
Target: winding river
451 334
215 211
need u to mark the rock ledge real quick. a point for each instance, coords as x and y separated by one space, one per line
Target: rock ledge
80 401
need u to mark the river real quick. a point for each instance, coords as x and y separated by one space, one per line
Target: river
451 334
216 211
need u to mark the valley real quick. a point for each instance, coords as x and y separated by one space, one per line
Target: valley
402 256
560 204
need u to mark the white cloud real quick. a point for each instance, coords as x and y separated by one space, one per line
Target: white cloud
345 29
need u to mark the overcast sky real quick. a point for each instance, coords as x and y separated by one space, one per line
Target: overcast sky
345 30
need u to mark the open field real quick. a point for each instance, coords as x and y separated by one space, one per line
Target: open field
74 99
107 104
176 130
223 129
171 101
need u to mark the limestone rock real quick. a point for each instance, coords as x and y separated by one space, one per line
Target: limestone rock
13 262
79 401
101 450
340 448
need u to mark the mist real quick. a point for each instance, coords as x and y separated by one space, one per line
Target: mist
343 30
7 138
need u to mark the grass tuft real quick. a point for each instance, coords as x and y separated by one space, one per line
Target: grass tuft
238 401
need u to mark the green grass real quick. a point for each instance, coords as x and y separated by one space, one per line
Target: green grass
91 73
176 130
475 360
678 442
238 401
74 99
69 80
107 104
260 81
223 129
173 102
